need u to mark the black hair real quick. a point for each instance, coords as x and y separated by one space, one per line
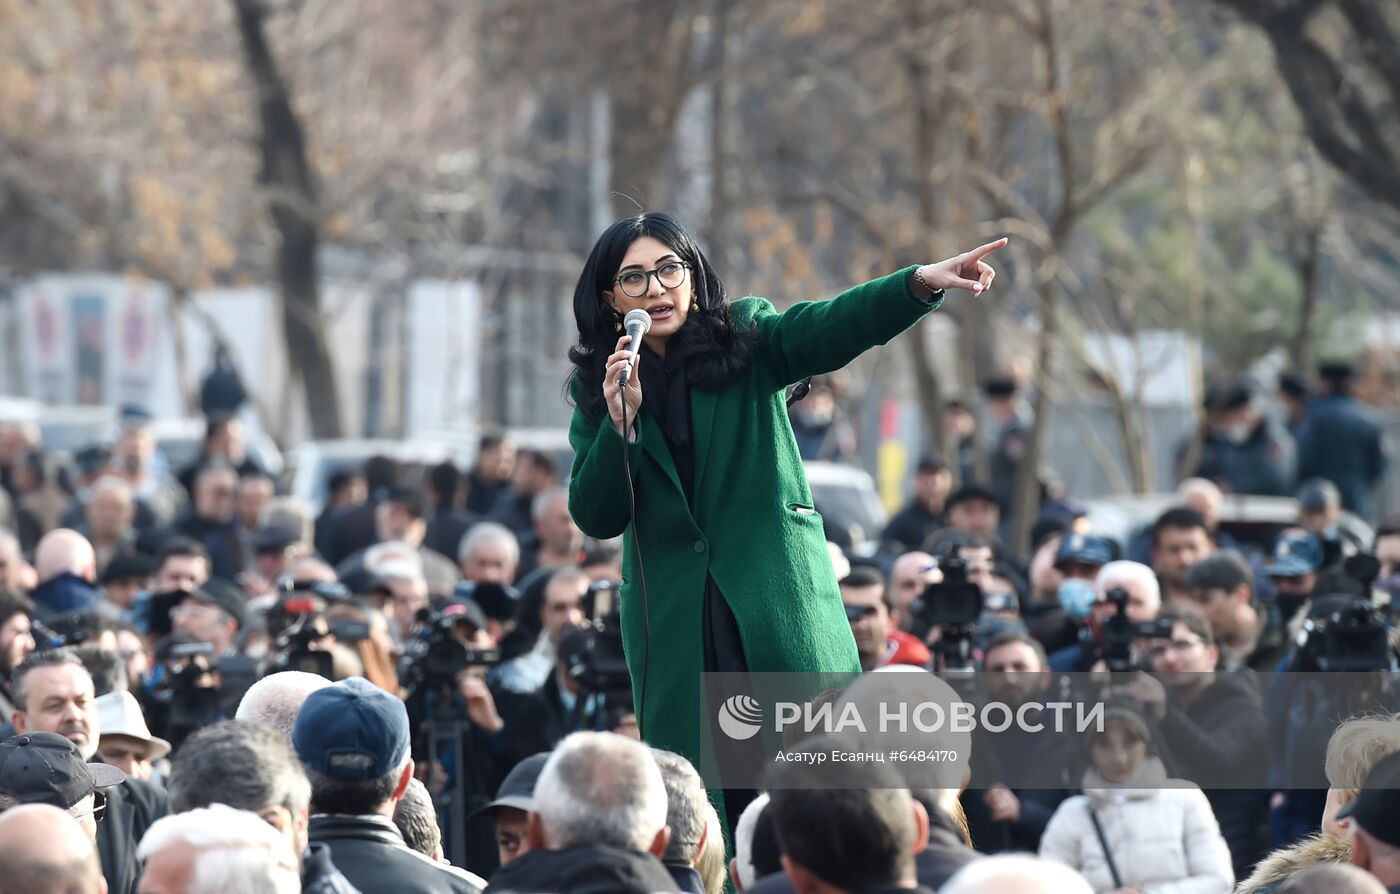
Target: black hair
19 693
540 460
1178 518
351 797
339 480
445 478
381 473
856 838
239 763
721 353
1193 622
106 668
490 441
183 547
764 853
863 576
1224 570
1014 636
13 603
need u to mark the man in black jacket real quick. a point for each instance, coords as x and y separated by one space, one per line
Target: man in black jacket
598 823
249 767
858 839
922 516
353 741
1213 725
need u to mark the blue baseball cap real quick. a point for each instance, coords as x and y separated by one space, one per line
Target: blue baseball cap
352 730
1086 549
1295 555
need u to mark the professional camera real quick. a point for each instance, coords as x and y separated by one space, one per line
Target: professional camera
72 629
1116 645
954 605
594 653
443 650
297 624
1346 631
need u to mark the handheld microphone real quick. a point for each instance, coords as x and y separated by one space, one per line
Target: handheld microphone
637 323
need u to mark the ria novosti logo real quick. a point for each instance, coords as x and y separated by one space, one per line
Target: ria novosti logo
740 716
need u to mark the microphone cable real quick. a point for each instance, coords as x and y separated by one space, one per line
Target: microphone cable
637 553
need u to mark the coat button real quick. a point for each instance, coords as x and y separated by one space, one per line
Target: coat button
699 546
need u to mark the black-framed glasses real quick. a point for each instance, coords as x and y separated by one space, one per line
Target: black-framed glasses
634 283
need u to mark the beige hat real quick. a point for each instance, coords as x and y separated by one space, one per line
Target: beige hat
118 714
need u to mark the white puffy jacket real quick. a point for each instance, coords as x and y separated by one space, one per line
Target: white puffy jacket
1161 832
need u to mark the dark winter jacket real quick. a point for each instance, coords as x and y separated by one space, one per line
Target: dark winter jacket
1222 739
319 875
586 869
370 852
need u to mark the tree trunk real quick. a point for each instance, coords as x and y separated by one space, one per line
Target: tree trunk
1026 496
287 176
1308 261
719 137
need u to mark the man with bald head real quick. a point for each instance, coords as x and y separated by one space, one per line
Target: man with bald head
43 850
67 568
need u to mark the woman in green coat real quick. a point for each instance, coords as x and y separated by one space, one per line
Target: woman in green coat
725 564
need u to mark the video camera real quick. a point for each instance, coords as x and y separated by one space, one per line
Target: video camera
595 654
297 624
1346 631
440 653
1117 644
954 605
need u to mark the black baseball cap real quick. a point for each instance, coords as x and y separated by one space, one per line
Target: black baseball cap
969 492
1000 387
1085 549
219 592
125 566
518 788
46 768
275 537
1377 806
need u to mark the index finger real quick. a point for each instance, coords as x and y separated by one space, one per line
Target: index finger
982 251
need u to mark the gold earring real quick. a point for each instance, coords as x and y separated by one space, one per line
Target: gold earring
694 306
617 323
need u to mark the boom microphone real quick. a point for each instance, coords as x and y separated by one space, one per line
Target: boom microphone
637 323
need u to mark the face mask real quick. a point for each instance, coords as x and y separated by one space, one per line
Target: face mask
1076 597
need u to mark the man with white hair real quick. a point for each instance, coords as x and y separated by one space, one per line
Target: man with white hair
489 553
742 871
1016 874
217 850
43 850
275 700
67 569
557 537
598 822
1144 604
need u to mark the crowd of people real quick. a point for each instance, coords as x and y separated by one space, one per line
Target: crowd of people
207 687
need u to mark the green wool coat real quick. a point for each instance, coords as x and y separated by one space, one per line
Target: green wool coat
752 525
